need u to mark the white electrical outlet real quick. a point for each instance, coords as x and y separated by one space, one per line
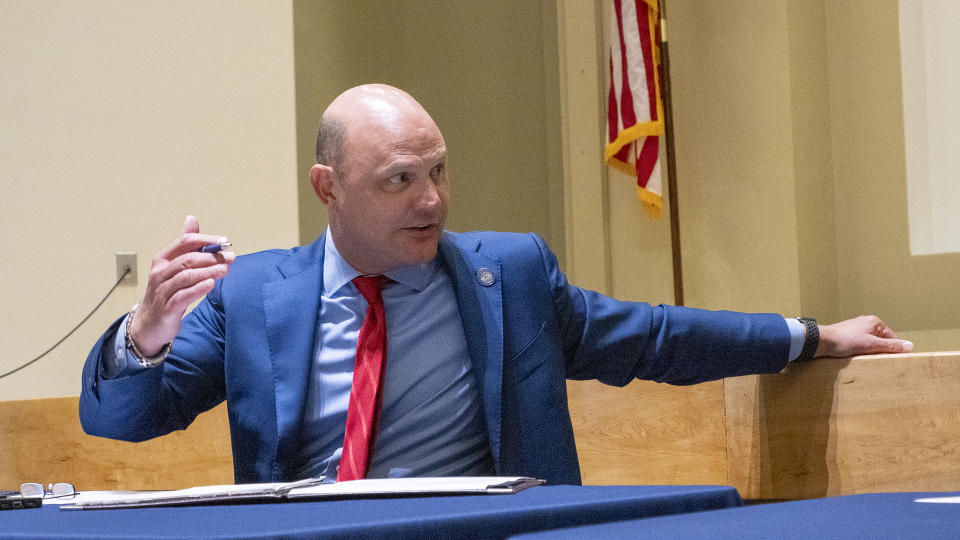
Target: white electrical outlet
127 259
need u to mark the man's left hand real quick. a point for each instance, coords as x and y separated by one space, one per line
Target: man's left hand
861 335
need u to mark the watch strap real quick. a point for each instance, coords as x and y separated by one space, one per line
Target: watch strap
811 339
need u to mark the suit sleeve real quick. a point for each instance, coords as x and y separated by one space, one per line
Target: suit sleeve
156 401
615 341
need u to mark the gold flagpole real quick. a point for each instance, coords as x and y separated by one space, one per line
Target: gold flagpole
671 160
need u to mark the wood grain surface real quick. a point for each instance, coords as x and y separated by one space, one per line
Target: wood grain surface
834 427
649 433
41 441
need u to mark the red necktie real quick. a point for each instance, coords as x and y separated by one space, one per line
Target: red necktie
364 409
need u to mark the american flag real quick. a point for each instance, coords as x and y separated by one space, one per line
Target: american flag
635 107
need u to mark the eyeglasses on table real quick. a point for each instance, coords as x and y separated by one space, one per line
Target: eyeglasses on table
53 491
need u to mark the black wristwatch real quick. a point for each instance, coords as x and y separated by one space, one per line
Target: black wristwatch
811 339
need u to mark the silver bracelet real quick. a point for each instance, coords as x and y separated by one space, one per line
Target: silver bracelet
148 362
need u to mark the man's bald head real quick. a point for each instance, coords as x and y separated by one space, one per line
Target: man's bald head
369 105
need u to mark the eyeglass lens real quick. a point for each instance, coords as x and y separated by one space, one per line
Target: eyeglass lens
62 489
31 489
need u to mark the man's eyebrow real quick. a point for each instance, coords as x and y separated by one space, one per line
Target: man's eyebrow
440 157
439 154
401 164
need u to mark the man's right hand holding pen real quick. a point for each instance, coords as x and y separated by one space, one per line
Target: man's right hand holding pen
179 275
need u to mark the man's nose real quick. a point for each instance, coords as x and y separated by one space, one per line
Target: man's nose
429 194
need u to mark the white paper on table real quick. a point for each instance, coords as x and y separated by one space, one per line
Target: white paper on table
454 485
194 495
309 489
954 499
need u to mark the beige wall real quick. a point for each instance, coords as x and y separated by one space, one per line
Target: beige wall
810 124
735 155
919 294
118 119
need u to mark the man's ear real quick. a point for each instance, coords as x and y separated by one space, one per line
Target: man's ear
322 178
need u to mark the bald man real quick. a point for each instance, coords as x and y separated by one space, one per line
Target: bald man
482 328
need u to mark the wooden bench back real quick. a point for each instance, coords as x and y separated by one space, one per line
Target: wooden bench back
41 441
824 428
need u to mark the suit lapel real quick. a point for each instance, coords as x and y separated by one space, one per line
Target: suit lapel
481 311
291 307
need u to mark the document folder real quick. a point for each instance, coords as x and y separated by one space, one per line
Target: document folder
303 490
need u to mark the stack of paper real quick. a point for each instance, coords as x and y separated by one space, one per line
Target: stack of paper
309 489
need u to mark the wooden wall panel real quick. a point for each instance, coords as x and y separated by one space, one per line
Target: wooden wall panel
835 427
824 428
41 441
649 433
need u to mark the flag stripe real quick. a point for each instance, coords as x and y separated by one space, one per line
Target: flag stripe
643 24
626 94
647 159
613 113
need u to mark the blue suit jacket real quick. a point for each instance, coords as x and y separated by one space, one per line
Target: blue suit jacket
251 341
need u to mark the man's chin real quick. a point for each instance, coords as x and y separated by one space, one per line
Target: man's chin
421 252
424 255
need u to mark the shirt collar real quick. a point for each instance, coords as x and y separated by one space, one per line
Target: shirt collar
337 272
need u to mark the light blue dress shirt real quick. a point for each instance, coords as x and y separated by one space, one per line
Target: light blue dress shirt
431 419
797 335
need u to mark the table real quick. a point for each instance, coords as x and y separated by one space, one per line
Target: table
488 516
876 515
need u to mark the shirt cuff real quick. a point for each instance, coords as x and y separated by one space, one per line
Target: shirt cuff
797 335
121 363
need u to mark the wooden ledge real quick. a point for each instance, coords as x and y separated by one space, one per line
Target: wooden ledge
832 427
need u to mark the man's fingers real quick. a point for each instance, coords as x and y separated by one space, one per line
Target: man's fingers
184 297
889 345
191 225
187 279
897 346
187 242
163 270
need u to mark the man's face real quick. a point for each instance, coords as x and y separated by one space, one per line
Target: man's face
390 200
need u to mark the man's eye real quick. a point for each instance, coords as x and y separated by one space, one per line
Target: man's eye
439 170
399 179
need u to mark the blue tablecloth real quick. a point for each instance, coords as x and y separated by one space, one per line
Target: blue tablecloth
877 515
489 516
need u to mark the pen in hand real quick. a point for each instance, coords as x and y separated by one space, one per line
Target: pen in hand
215 248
